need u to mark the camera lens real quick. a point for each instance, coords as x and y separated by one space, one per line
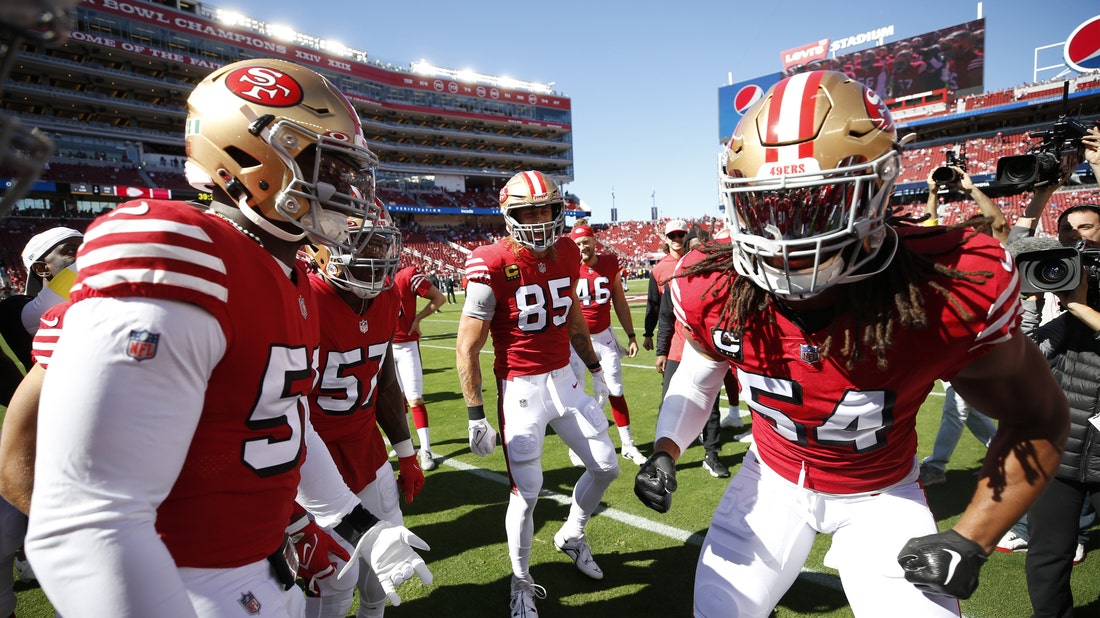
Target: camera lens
944 175
1051 272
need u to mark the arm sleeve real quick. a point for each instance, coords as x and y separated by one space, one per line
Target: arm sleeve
652 307
119 432
666 323
322 490
480 301
691 393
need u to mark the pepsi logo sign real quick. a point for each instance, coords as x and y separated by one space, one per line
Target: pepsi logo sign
746 96
1082 51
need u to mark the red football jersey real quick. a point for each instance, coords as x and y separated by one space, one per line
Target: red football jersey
410 285
594 291
243 464
342 405
49 329
854 431
532 295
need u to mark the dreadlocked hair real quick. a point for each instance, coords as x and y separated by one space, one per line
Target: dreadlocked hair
868 312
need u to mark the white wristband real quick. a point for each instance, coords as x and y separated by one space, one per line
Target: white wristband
404 448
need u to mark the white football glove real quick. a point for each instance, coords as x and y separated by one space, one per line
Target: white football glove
599 389
391 557
483 438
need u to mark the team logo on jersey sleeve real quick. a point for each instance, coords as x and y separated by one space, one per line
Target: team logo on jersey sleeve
726 343
511 272
142 345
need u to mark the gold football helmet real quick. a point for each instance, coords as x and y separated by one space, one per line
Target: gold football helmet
369 272
284 143
806 182
527 189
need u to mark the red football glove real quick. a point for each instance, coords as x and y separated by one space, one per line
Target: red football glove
411 478
315 549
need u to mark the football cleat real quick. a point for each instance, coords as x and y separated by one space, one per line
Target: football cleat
631 452
578 550
716 468
427 460
524 593
1011 542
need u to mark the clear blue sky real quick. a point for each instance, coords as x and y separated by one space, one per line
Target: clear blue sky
643 76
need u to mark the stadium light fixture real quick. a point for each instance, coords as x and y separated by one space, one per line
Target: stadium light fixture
281 32
229 18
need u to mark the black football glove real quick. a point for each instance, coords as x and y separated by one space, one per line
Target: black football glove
945 563
655 482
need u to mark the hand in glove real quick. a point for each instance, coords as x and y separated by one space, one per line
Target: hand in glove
411 478
655 482
483 438
945 563
317 552
389 548
599 389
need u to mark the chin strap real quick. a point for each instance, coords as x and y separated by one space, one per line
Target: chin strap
265 224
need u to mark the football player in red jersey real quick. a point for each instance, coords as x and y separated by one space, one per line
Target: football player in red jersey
410 285
521 289
838 319
599 288
177 397
356 393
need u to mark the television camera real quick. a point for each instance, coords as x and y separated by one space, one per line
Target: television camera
1056 269
1044 164
946 175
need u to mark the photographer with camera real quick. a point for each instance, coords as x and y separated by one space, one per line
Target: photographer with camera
957 413
1071 343
1029 220
953 176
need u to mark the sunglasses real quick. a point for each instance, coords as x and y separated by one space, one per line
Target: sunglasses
677 235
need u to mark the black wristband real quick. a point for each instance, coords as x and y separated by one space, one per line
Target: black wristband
475 413
354 524
594 367
631 336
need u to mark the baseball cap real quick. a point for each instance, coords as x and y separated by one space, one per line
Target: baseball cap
676 225
41 244
581 231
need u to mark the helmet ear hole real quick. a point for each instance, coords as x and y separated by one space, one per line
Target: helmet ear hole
241 158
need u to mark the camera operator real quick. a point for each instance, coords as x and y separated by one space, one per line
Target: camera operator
1029 220
998 227
1071 343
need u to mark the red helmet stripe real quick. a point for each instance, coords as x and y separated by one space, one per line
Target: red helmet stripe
791 117
536 183
807 126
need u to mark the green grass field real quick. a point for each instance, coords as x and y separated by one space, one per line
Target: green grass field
648 558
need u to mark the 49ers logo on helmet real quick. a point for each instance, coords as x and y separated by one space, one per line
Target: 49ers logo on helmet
264 86
503 194
877 110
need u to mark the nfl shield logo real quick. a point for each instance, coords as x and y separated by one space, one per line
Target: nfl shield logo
362 326
142 345
250 603
809 353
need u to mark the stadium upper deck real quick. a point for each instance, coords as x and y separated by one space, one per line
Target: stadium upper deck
113 99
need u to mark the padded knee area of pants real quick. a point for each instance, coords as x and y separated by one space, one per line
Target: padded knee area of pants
523 447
